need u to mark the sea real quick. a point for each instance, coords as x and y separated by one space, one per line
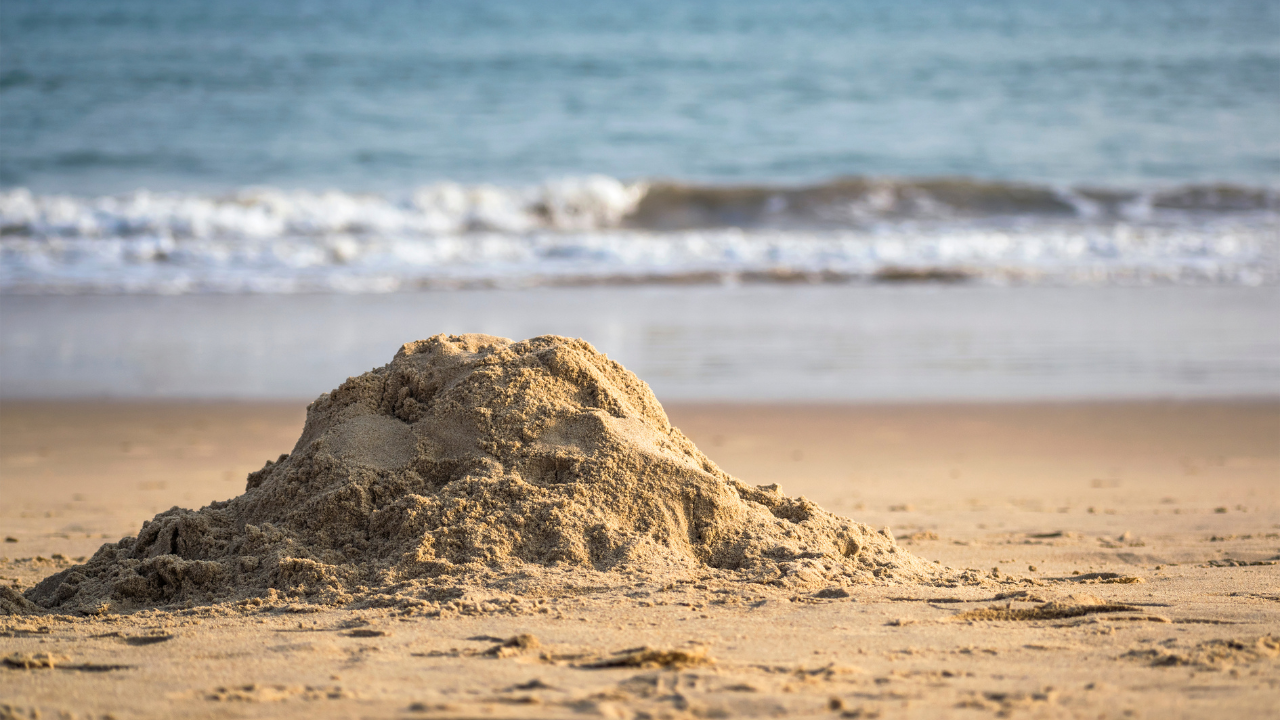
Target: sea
827 161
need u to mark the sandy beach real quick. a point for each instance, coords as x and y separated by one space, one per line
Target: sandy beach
1127 554
648 361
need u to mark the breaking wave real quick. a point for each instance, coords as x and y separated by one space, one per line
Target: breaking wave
601 230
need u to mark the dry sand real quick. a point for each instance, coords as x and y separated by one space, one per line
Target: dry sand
1153 530
473 466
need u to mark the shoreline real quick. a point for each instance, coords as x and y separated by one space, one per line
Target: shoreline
803 343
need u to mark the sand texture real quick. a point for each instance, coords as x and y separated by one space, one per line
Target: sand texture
474 462
1121 562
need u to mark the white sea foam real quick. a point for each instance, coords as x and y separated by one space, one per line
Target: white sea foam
582 231
571 204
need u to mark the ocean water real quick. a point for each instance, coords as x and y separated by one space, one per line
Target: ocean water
105 96
344 146
816 199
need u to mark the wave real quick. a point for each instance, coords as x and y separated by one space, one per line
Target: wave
596 202
599 230
862 201
444 208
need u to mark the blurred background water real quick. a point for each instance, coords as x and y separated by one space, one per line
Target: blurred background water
105 97
816 153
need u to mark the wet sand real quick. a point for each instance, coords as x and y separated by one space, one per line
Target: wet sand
1129 548
744 343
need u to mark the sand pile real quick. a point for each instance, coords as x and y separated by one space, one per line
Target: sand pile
471 458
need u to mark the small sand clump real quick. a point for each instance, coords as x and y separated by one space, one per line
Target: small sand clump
474 460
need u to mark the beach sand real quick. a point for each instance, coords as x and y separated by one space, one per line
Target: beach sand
1143 536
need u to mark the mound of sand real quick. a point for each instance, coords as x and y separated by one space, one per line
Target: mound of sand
476 457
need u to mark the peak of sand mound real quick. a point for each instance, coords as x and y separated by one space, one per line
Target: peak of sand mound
472 458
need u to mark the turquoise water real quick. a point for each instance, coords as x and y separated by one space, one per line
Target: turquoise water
886 199
102 97
363 147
